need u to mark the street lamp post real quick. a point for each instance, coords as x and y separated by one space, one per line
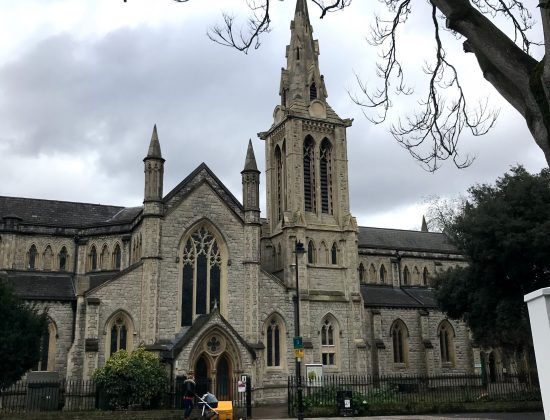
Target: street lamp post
298 250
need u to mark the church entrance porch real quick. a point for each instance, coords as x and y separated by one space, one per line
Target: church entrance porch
215 375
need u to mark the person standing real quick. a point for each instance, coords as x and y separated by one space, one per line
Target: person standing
188 396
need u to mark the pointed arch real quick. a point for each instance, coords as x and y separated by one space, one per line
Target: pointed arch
416 275
104 258
325 167
330 343
32 258
425 276
361 271
323 253
279 181
334 254
310 203
47 258
400 342
383 274
92 259
63 259
203 261
311 252
116 262
446 334
372 273
312 91
119 332
275 334
406 276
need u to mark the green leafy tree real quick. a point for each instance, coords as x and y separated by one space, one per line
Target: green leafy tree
136 378
21 328
504 232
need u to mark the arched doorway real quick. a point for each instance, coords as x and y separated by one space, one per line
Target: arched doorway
202 376
224 378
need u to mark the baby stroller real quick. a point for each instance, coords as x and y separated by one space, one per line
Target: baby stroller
209 403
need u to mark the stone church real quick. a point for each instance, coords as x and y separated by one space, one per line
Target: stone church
207 282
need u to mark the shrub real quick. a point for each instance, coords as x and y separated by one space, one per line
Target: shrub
136 378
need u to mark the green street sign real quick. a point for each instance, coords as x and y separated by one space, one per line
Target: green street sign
298 344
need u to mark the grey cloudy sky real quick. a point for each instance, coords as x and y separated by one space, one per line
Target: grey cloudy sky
83 82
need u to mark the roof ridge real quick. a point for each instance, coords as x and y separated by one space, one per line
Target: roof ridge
63 201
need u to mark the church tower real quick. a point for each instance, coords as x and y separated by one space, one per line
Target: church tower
308 192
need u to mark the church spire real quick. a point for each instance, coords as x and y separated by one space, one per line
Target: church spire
154 146
301 81
154 170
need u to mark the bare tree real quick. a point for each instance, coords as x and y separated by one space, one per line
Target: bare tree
432 134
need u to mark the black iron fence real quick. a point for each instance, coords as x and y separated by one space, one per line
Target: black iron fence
73 395
366 392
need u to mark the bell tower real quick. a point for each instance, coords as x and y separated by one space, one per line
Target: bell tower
308 194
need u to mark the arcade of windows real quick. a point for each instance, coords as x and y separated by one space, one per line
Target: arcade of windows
47 260
380 276
323 255
105 260
201 275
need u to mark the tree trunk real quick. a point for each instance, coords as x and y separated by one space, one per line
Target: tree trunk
518 77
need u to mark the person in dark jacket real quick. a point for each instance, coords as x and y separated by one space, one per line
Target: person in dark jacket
188 396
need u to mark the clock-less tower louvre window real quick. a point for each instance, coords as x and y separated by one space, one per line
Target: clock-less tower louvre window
326 177
309 175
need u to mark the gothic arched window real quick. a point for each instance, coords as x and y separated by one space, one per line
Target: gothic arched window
274 337
279 180
120 334
311 252
399 335
329 344
312 91
117 257
33 253
406 276
361 271
446 343
425 276
334 254
93 259
48 258
201 275
382 274
309 175
326 176
372 273
63 259
104 258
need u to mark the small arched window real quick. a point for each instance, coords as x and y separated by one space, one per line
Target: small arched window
274 337
400 340
117 257
48 258
33 254
372 274
93 259
104 258
406 276
63 259
311 252
425 276
312 91
446 343
361 271
382 274
334 254
309 175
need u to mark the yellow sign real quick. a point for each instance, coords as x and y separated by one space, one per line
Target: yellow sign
299 353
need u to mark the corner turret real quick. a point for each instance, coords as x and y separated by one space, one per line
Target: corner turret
154 170
251 182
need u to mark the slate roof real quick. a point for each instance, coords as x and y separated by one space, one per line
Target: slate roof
41 285
65 213
397 297
411 240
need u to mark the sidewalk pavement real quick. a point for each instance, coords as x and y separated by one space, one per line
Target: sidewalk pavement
459 416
